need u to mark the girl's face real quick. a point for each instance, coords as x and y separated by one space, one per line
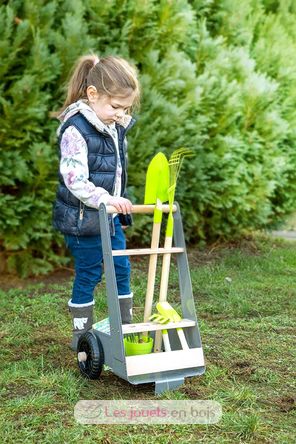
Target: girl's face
109 109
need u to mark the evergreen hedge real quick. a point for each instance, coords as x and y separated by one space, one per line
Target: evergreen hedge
216 77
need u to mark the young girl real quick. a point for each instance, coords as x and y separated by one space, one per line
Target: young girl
93 164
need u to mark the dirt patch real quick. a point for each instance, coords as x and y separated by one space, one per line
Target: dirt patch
191 391
12 391
242 368
286 403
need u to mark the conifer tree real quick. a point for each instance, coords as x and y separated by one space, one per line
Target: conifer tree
215 78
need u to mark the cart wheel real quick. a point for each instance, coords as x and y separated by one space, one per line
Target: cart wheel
90 355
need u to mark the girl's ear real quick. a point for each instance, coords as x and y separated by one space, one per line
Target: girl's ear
92 93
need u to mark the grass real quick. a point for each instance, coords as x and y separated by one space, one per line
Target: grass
245 299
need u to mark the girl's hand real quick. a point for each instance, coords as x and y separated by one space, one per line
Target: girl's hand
121 204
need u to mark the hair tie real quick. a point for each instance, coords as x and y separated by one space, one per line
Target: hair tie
96 60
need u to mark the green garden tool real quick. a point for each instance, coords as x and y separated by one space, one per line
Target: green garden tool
165 336
175 163
166 314
156 192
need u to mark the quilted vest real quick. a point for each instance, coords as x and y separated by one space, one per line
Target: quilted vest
70 215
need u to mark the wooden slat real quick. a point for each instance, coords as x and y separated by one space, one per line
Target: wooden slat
142 209
160 362
146 251
153 326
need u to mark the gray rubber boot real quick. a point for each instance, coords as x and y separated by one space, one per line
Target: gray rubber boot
82 321
126 306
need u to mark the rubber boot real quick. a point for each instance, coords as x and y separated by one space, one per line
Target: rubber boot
82 321
126 307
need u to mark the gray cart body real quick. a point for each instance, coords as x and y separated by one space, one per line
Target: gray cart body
166 369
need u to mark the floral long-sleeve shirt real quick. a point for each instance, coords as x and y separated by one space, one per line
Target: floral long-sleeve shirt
74 158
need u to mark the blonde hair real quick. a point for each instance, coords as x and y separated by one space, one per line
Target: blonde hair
111 75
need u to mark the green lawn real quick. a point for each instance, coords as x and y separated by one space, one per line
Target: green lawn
247 324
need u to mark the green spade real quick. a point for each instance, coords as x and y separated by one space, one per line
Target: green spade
156 192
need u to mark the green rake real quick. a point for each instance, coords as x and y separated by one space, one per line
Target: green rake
166 313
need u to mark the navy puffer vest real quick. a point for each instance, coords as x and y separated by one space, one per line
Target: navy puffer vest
70 215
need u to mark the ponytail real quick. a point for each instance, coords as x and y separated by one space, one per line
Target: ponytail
78 82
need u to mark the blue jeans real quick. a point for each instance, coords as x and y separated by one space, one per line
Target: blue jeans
88 258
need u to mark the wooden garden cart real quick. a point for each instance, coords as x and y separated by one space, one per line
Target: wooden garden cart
104 343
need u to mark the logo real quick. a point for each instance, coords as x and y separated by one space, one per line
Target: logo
79 323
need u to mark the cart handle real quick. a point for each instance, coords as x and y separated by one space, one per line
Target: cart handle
142 209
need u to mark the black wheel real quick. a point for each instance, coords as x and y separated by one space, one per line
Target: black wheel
90 355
